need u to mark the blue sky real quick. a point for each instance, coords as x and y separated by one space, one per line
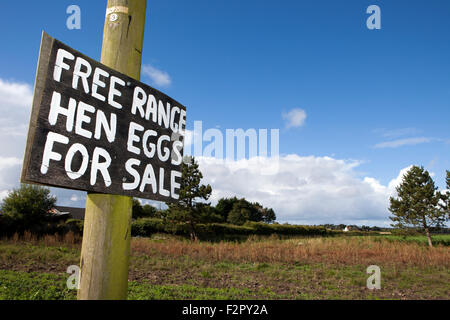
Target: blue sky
380 98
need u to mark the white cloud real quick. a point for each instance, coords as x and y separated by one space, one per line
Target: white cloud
158 77
396 133
295 118
6 163
395 182
15 106
3 194
403 142
15 95
305 190
9 173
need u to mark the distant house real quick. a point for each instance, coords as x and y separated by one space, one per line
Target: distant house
347 229
55 215
71 213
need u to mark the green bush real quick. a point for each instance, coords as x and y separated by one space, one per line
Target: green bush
28 205
285 229
75 225
10 226
7 226
147 226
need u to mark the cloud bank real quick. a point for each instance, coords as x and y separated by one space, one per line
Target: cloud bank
15 107
305 190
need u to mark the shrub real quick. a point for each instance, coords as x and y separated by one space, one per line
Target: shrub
145 227
28 206
75 225
285 229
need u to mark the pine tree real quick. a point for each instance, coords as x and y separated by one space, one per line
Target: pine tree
445 198
191 207
417 202
448 180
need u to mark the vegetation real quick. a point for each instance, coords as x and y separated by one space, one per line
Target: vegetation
303 268
27 208
269 260
146 211
439 239
445 198
28 204
222 231
418 202
191 207
239 211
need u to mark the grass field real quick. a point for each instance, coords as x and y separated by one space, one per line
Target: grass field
442 239
168 268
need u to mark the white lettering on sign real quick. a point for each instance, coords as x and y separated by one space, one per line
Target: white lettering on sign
114 92
147 107
49 154
77 147
60 64
82 71
101 167
97 82
98 130
56 109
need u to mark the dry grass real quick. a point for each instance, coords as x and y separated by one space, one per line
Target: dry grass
334 251
69 239
341 251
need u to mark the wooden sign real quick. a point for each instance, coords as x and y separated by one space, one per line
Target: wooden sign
95 129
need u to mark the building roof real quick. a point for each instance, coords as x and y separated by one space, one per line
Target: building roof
57 213
75 213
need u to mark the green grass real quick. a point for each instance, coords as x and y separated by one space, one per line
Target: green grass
319 282
33 286
16 285
276 282
441 239
146 291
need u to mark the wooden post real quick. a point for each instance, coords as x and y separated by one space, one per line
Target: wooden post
105 250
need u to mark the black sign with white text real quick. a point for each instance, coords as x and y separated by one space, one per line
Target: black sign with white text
98 130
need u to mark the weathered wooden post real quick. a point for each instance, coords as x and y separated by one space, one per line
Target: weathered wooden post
107 228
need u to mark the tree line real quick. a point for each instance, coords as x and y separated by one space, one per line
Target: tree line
28 207
193 208
418 204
